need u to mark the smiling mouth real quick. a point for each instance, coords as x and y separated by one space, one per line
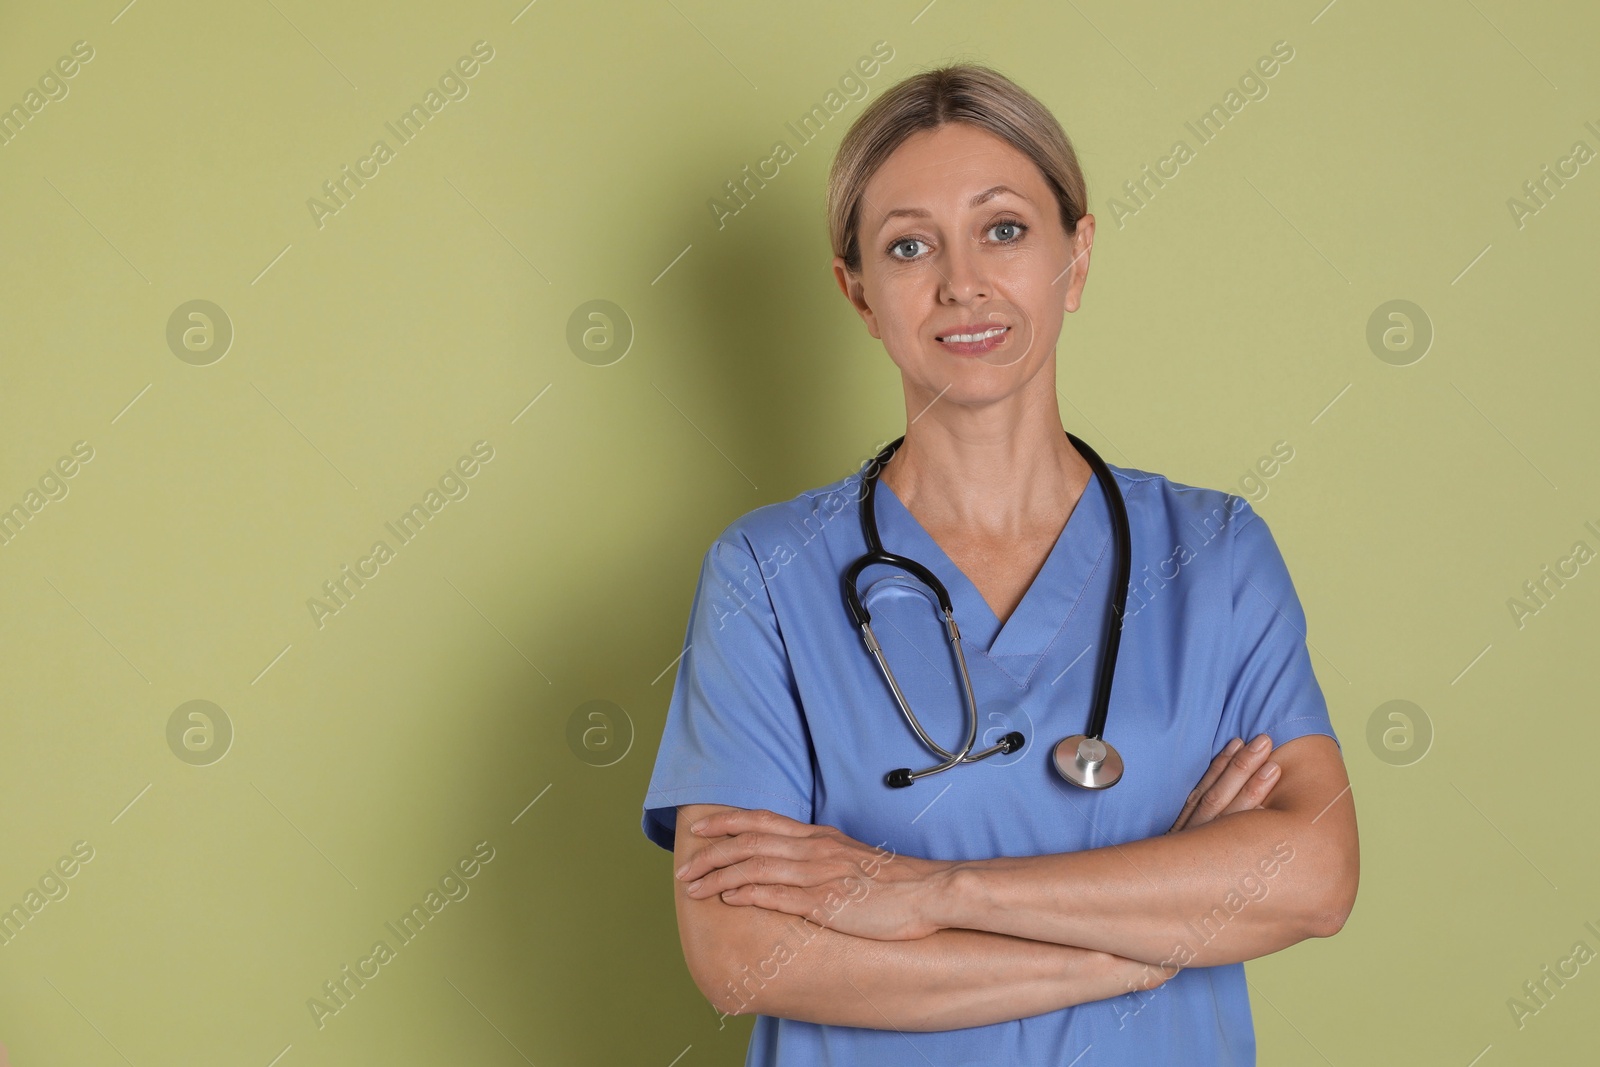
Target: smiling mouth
971 338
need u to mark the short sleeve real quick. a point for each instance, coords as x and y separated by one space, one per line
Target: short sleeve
1271 687
735 732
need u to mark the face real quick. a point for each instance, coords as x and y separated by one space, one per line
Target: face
966 269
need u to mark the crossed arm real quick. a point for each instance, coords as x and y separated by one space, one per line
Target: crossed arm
802 922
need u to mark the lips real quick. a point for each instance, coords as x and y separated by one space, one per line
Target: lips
974 340
970 332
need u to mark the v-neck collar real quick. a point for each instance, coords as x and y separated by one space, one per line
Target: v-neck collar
1082 546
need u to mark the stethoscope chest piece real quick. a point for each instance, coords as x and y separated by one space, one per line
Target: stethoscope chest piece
1088 762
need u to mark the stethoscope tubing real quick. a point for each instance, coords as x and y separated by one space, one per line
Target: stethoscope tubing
1119 588
858 612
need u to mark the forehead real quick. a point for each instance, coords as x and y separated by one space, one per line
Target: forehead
941 169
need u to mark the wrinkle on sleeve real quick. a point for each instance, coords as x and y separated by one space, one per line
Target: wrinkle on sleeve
735 732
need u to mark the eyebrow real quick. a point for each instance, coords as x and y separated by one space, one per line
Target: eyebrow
923 213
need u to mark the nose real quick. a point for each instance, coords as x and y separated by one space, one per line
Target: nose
962 277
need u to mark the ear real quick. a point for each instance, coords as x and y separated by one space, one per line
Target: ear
850 285
1077 272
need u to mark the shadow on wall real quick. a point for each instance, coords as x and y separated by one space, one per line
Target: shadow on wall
592 923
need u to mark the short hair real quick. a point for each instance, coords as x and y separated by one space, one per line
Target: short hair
964 92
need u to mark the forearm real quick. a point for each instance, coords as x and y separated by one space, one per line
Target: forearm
1238 887
782 965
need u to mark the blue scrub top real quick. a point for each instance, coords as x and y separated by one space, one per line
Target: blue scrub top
778 705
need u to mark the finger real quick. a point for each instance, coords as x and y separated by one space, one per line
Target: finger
1255 789
736 820
781 898
1183 816
739 849
785 898
763 870
1188 809
1218 762
1244 763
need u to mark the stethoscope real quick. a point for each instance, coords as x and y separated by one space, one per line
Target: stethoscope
1085 759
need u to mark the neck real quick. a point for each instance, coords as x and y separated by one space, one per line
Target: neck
996 470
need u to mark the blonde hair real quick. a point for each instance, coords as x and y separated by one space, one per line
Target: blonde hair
967 93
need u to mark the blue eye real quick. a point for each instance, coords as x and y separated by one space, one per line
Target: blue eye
1012 224
901 244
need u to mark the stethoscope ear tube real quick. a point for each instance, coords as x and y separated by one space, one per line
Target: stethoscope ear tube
1119 590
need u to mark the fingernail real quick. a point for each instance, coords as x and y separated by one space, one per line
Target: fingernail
1260 743
1233 746
681 871
695 827
695 885
1270 770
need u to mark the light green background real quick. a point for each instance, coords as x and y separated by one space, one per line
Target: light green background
370 754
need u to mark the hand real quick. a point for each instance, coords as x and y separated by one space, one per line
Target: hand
774 862
1230 784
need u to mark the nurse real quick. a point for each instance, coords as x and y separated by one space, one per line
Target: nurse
992 913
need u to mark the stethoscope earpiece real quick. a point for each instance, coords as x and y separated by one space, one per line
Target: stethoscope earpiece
903 776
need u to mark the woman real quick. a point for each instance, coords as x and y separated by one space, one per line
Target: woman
995 912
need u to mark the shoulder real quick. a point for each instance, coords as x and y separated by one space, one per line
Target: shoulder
1157 497
828 511
1200 530
1215 540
